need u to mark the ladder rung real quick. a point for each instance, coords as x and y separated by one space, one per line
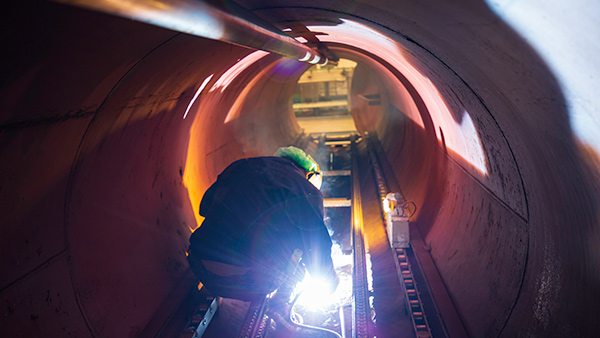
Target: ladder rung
336 173
336 202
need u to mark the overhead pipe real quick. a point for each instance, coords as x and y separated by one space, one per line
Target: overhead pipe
207 21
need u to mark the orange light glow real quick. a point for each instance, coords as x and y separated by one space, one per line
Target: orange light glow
193 180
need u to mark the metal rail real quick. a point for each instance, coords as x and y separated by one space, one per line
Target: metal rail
325 143
378 173
361 307
412 295
205 20
203 304
255 321
414 304
202 317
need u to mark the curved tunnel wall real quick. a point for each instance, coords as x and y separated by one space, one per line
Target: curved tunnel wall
97 171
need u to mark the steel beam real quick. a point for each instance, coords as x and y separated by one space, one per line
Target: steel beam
205 20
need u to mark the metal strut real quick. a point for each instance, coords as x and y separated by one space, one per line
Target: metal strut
205 20
255 322
361 308
414 304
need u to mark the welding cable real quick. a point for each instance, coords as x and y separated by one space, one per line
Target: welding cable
309 327
404 207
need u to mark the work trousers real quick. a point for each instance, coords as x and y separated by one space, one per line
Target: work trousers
253 285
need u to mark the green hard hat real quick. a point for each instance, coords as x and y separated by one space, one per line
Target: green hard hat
303 160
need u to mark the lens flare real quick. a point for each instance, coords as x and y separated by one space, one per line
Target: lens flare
286 70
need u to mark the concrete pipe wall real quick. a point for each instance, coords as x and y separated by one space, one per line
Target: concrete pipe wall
111 131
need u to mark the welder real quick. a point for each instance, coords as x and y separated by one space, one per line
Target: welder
263 223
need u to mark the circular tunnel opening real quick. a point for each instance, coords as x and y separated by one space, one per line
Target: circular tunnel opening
431 126
240 106
321 101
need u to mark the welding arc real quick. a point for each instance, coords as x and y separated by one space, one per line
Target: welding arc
309 327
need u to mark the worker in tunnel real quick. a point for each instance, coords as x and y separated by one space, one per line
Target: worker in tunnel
263 225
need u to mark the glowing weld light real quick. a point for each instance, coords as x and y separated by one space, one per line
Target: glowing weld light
231 73
315 293
204 83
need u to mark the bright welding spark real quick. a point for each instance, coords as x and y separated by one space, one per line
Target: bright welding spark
315 293
197 94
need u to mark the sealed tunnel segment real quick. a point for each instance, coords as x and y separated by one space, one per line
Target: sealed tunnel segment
58 88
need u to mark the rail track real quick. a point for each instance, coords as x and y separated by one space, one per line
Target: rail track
343 196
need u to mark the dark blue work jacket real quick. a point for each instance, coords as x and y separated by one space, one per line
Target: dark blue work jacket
256 214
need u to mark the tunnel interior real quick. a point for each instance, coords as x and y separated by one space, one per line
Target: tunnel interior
111 131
